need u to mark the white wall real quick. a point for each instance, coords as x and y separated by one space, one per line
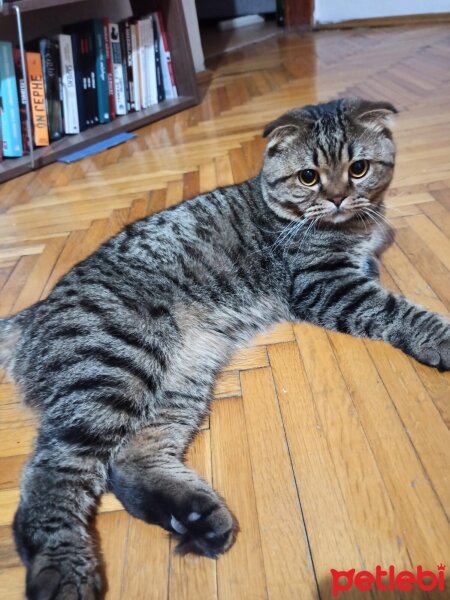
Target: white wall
335 11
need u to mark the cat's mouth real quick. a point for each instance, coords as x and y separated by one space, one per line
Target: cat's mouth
348 208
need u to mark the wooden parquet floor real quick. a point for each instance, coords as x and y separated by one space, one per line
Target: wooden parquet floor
333 452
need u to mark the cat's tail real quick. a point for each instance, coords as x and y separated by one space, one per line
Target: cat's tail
10 331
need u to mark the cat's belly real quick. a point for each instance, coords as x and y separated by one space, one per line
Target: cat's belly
209 337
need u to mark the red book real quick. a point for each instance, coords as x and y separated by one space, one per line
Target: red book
170 87
109 69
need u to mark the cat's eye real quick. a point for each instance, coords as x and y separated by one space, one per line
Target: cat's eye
308 177
358 168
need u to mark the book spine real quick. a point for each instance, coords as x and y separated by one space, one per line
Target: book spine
50 66
129 65
151 65
123 53
140 30
170 87
69 93
21 94
159 76
83 65
116 56
101 72
37 99
92 76
80 80
10 116
135 65
109 70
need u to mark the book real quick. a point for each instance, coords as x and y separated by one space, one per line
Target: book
101 71
109 70
21 93
150 64
10 117
81 84
119 83
52 83
87 35
129 63
135 59
69 93
159 75
37 99
123 53
170 87
140 34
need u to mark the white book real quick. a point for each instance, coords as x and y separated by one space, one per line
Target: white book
119 81
135 66
140 35
69 90
149 50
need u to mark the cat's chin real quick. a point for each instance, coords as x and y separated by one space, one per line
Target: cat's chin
340 216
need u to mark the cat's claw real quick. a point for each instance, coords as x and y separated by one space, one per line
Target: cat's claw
177 526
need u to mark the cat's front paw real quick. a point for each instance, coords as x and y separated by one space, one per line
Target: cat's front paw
204 526
431 345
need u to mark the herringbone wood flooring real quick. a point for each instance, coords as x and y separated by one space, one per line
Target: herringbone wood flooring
333 452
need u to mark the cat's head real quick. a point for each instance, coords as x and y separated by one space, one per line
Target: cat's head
330 162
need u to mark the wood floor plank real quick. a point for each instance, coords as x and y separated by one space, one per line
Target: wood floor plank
15 283
145 562
287 563
426 262
356 469
420 417
335 545
423 525
410 282
194 577
432 236
240 573
113 534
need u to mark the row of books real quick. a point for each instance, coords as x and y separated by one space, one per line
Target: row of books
91 73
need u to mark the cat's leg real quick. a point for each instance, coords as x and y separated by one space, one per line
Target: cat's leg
52 525
350 302
149 478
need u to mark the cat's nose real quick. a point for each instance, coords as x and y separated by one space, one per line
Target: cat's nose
337 200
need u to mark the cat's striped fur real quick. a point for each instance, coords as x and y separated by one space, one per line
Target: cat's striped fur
121 358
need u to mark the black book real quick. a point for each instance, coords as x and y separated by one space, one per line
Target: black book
159 73
51 67
124 54
83 71
129 62
92 82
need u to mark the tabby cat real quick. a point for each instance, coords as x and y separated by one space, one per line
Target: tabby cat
121 358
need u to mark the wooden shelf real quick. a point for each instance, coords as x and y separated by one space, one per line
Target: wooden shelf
184 75
31 5
13 167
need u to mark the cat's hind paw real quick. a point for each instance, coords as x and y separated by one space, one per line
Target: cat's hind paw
208 530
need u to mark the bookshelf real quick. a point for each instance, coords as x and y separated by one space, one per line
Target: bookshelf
184 75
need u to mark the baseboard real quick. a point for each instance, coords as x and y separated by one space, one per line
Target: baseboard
426 19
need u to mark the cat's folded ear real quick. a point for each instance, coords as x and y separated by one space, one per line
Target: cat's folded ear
281 131
375 115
